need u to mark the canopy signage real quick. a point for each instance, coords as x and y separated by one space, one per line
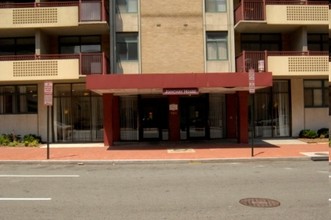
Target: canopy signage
178 91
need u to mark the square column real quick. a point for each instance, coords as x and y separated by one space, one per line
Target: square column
110 119
174 120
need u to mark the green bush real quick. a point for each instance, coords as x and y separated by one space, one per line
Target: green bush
29 140
308 133
323 133
4 140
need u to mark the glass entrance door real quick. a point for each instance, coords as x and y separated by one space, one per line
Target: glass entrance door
194 115
153 119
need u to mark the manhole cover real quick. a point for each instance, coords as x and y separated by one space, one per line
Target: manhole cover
259 202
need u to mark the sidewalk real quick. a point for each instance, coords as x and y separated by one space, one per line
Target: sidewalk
167 151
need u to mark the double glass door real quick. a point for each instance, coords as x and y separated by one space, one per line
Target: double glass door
194 118
153 119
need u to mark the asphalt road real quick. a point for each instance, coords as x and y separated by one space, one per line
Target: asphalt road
164 191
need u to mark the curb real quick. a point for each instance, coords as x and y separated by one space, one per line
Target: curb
156 161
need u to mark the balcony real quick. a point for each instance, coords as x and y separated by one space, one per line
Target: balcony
52 67
285 63
280 12
52 14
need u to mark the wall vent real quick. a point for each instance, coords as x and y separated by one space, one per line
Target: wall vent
307 13
35 16
35 68
308 64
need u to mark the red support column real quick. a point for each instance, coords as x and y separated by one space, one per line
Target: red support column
174 121
108 119
243 117
116 119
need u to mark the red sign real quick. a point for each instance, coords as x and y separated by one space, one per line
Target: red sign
251 81
187 91
48 93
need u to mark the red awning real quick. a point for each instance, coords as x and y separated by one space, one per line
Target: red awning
155 83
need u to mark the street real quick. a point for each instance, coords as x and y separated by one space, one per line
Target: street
191 190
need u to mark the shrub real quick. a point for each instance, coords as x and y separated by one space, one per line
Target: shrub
12 140
308 133
323 133
4 140
31 140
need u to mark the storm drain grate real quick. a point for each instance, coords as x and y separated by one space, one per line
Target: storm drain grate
259 202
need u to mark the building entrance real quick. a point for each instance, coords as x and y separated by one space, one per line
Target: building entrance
153 119
194 118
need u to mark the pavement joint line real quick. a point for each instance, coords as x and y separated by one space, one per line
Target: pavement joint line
37 176
25 199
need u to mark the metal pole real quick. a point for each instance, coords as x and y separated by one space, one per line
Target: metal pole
253 127
47 132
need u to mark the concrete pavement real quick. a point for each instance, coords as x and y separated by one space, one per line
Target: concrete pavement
169 151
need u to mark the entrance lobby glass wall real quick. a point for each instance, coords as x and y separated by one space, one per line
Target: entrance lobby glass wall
77 114
272 110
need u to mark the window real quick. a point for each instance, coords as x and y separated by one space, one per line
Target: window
127 6
217 48
17 46
259 42
76 114
316 93
18 99
127 46
215 5
80 44
318 42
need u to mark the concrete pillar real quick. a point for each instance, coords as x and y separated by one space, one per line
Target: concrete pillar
174 120
108 119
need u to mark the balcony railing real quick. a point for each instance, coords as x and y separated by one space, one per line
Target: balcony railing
90 63
252 59
255 9
89 10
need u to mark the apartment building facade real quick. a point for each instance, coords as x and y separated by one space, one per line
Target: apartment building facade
140 70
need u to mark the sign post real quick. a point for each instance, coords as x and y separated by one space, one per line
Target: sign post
251 88
48 101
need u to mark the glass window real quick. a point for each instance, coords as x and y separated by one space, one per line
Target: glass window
258 42
217 48
127 46
17 46
77 115
318 42
127 6
316 93
80 44
18 99
215 5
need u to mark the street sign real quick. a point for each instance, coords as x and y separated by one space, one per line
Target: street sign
48 93
251 81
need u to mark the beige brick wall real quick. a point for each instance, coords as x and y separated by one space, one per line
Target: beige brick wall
172 36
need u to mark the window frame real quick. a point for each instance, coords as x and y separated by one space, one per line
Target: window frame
323 88
17 48
123 39
214 4
79 43
17 98
216 42
120 9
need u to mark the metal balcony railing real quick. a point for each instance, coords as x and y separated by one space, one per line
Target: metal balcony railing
252 59
89 10
255 9
89 63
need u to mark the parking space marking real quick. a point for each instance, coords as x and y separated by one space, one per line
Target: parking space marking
38 176
25 199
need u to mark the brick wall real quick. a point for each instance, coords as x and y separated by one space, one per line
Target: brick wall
172 36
